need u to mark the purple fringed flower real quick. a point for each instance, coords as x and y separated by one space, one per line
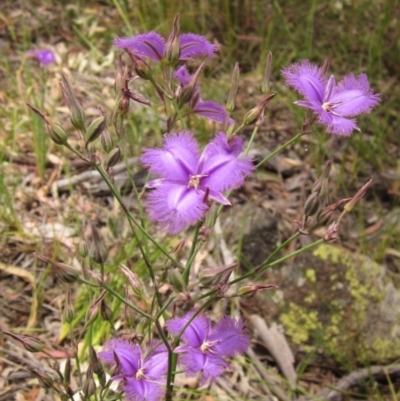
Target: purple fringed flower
206 347
205 108
189 180
334 104
196 46
152 45
141 376
44 56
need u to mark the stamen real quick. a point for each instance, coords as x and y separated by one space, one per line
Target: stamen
140 374
194 180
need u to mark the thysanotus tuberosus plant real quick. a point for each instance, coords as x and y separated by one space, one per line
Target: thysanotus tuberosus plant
188 185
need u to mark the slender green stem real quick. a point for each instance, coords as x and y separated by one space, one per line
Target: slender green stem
280 247
278 150
265 265
193 253
179 113
117 195
123 300
253 135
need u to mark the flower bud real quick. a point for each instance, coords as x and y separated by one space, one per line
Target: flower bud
361 192
67 373
321 184
89 386
188 90
106 141
105 312
142 69
45 380
95 129
313 204
68 312
77 114
173 48
94 309
120 76
113 157
331 231
252 115
131 277
230 103
65 272
98 250
56 132
31 344
250 289
267 74
176 280
83 249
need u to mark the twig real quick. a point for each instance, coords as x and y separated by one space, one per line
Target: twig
353 379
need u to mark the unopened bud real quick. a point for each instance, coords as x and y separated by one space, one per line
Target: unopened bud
325 66
321 184
94 362
267 74
83 249
188 90
97 367
105 312
65 272
98 251
142 69
331 231
313 204
123 105
176 280
45 380
67 373
120 75
172 48
349 206
77 114
95 129
230 103
31 344
56 132
89 386
131 277
250 289
106 141
68 312
113 157
308 121
94 309
252 115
